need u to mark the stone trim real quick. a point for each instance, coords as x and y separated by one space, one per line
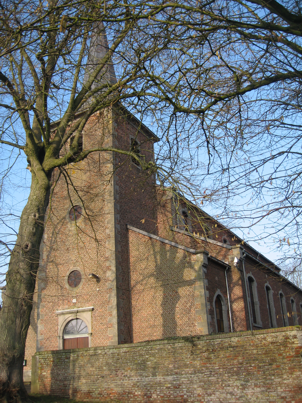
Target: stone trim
177 245
74 290
219 261
224 313
158 238
65 316
75 310
200 294
111 243
201 237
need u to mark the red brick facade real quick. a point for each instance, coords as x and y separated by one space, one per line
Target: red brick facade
152 265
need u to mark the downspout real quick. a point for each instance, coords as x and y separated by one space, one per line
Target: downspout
228 294
246 292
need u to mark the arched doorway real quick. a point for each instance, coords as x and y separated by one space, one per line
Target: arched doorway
75 334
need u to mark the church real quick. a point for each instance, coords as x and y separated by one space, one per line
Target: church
124 260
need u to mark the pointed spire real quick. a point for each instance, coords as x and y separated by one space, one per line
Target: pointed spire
97 51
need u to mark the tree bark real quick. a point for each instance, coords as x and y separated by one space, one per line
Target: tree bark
18 296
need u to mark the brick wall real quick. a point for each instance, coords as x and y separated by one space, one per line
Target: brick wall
264 366
87 245
134 203
97 243
167 289
277 284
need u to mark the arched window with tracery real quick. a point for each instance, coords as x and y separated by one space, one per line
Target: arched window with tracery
75 334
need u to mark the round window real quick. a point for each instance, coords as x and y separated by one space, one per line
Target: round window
75 213
74 278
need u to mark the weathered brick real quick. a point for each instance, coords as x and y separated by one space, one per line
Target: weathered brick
239 367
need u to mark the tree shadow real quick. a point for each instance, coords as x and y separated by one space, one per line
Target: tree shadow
163 294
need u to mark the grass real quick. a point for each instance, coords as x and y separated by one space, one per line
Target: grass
53 399
59 399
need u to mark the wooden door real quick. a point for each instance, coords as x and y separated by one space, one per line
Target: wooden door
76 342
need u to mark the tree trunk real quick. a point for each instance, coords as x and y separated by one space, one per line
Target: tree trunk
18 297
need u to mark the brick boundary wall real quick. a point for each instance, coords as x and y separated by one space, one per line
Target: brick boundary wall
259 366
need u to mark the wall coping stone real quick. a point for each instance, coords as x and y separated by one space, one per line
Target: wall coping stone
194 235
180 340
158 238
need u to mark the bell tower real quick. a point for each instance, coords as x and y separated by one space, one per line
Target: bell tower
84 266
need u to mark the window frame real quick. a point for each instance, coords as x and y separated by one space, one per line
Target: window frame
270 305
181 224
74 289
284 314
224 313
66 315
294 311
177 209
138 153
258 321
75 336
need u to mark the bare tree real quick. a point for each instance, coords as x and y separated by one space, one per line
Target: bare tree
219 79
47 75
240 104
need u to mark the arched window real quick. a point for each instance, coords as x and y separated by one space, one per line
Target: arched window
283 309
252 298
185 219
135 148
270 306
254 302
75 334
219 314
294 311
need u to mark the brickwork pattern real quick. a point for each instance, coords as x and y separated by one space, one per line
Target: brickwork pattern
135 204
86 245
112 192
226 253
216 284
167 290
147 290
263 366
277 284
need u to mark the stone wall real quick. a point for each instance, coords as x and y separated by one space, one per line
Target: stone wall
263 366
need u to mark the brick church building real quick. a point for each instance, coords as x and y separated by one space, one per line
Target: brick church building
124 260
